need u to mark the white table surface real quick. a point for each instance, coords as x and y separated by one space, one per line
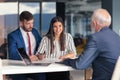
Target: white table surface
17 67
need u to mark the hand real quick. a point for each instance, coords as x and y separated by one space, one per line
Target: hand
33 58
41 56
69 55
62 57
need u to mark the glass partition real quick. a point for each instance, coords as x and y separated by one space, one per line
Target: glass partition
77 20
78 15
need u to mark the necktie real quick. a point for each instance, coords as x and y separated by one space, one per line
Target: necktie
29 44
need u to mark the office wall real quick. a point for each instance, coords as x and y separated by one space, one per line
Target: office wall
113 6
116 15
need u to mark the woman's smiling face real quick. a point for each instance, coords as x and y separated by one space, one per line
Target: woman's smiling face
57 28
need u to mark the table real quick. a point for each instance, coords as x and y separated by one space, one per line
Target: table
17 67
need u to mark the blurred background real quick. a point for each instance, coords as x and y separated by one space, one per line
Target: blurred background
75 13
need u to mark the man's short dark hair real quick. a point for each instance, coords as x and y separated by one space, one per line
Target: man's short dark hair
26 15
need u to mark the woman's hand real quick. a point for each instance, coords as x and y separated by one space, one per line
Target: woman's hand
62 57
41 56
69 55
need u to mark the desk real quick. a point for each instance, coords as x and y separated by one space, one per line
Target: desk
17 67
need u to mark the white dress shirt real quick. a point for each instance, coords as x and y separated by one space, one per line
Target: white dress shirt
32 40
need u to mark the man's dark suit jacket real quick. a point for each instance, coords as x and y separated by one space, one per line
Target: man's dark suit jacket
102 50
15 40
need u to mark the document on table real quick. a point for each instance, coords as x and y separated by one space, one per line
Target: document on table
48 60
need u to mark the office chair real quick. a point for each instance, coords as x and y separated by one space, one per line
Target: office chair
116 72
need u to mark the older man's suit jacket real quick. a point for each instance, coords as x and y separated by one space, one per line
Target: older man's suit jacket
102 50
15 40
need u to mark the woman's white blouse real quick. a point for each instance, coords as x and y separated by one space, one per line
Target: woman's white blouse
45 47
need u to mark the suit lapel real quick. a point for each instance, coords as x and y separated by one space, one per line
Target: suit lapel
21 39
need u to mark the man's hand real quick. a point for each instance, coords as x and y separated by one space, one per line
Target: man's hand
33 58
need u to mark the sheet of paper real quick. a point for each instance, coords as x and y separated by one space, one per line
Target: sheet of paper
48 60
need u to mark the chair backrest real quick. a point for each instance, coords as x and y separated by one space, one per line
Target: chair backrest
3 51
116 72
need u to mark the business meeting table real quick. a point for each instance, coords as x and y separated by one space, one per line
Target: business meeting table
17 67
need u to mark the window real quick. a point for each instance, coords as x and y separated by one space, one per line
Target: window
34 8
48 12
8 22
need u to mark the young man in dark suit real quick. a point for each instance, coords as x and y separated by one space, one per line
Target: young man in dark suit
24 37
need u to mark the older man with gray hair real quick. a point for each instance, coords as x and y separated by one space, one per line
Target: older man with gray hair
102 48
